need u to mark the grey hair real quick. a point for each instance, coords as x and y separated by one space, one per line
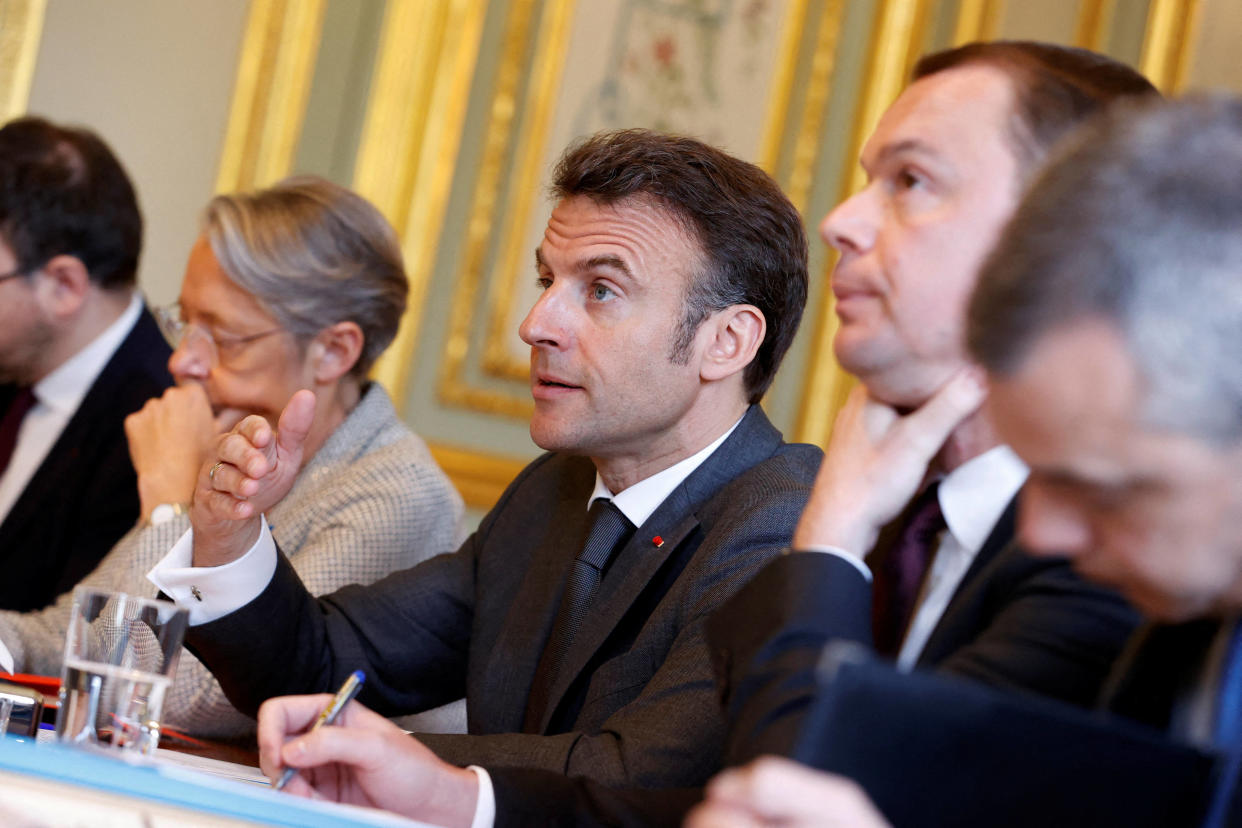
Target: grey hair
1137 222
313 254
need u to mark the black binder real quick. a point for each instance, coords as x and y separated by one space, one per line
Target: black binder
933 751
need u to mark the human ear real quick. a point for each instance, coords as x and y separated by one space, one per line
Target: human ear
61 285
734 336
335 350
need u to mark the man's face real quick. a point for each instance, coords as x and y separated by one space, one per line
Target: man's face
614 281
25 331
1154 512
943 180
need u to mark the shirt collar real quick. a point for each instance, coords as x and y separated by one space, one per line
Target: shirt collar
974 495
63 389
644 497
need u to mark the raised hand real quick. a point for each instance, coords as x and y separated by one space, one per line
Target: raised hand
772 791
363 759
250 471
875 461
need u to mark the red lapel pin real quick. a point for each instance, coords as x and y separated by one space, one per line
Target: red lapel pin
657 541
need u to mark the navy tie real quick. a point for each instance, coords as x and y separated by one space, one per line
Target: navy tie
902 571
11 422
609 531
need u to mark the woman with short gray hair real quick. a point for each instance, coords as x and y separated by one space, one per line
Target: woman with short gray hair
297 286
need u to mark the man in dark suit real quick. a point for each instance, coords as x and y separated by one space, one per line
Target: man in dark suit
914 472
1108 319
78 352
673 279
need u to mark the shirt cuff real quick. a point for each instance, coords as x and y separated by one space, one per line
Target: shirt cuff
485 805
840 553
211 592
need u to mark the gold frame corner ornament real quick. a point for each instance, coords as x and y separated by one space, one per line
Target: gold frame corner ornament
21 28
274 75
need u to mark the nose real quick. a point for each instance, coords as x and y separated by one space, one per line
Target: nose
544 325
851 226
191 360
1051 525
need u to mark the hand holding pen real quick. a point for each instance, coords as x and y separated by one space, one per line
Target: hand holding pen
343 696
363 759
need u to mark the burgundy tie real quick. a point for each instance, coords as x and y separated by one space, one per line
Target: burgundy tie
902 570
22 402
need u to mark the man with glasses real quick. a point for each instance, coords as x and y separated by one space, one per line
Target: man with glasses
78 353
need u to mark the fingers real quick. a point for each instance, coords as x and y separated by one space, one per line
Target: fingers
280 718
787 792
295 421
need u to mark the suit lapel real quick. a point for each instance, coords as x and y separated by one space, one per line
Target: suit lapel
637 563
1154 671
100 411
515 656
964 595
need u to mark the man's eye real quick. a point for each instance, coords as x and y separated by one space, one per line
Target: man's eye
543 282
908 180
601 293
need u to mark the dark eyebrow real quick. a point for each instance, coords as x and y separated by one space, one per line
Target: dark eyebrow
595 262
606 261
909 145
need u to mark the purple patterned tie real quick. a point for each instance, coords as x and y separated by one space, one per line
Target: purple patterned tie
901 572
11 422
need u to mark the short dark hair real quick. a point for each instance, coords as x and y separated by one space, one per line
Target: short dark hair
751 238
63 192
1056 88
1135 222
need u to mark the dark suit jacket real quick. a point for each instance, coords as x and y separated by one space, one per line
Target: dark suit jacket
1015 621
636 702
84 496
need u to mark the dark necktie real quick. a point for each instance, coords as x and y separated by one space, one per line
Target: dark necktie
21 403
897 580
609 531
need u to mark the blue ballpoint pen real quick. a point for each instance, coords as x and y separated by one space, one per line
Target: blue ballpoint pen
348 690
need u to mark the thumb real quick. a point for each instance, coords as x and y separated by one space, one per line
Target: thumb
295 422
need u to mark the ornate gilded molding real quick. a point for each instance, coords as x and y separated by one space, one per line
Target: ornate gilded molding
1168 44
896 39
452 387
539 106
21 26
977 20
815 106
274 76
1095 19
480 478
410 141
498 358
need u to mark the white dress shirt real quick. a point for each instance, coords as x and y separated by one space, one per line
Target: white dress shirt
213 592
57 397
972 498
